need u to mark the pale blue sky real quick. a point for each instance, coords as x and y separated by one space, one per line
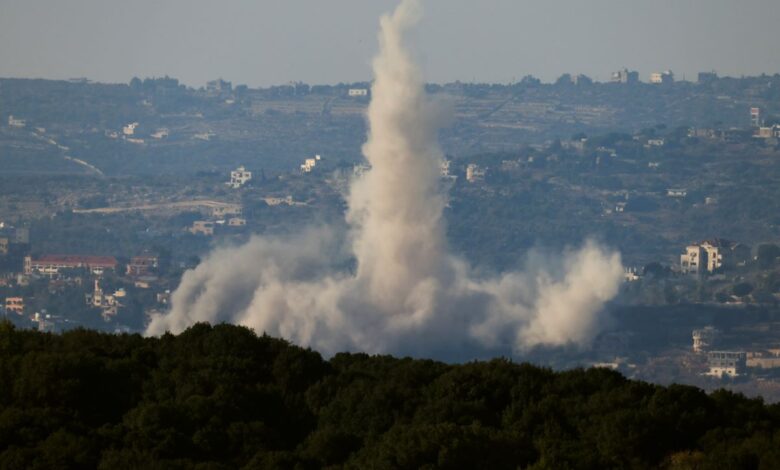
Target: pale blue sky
264 42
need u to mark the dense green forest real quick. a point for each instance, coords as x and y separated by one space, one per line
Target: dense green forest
223 397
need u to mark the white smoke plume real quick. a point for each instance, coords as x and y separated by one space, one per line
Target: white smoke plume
408 294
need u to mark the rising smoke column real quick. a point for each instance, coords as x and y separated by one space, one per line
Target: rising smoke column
409 295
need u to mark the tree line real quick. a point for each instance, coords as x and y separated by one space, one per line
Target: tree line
221 396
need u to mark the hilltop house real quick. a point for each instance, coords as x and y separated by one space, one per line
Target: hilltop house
711 255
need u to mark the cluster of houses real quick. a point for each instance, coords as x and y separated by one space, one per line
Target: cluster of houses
59 269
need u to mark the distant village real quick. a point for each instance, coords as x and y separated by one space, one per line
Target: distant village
521 165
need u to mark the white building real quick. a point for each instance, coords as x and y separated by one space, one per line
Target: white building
107 303
631 274
239 177
755 117
703 257
662 77
474 173
712 255
129 129
715 251
726 363
693 260
14 122
625 76
309 164
357 92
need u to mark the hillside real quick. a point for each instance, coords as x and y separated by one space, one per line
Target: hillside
184 130
222 397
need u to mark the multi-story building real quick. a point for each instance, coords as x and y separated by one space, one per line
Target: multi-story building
625 76
141 265
14 304
664 77
726 363
50 265
692 260
715 250
108 303
711 255
239 177
474 173
755 117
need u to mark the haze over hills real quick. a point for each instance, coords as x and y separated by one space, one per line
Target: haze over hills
272 128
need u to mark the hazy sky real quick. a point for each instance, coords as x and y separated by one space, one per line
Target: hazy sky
264 42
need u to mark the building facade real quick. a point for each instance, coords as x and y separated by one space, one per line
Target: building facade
726 363
202 227
239 177
141 266
15 305
625 76
755 117
51 265
474 173
664 77
710 256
